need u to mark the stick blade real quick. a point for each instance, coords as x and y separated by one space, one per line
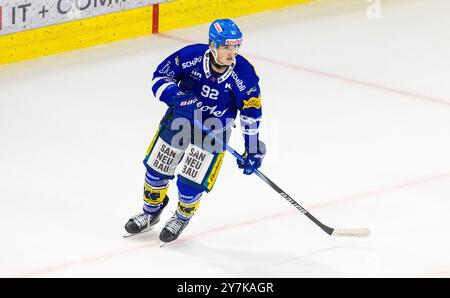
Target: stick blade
357 232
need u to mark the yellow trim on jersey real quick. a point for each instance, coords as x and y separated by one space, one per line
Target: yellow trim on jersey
152 143
215 171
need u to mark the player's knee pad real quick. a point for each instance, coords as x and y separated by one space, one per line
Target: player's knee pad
162 157
189 198
200 168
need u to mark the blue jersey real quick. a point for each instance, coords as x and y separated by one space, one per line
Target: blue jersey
219 97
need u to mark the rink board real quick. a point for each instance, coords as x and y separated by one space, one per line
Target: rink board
125 24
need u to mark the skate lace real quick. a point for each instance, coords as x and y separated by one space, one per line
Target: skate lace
143 219
174 224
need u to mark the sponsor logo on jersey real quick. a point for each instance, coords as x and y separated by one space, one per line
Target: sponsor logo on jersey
253 89
177 61
218 28
254 102
196 74
239 82
211 110
193 62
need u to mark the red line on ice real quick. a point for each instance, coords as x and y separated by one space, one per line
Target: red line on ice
341 200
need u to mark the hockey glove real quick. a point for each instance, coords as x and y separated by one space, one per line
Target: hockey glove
184 105
253 158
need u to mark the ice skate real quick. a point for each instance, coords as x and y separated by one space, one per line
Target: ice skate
143 222
172 229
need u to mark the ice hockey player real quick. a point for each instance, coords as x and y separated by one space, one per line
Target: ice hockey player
210 82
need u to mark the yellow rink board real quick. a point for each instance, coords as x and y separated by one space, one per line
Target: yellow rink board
186 13
125 24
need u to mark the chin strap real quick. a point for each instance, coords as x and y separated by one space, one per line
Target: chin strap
214 60
214 54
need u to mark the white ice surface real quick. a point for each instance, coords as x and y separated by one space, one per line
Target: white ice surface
357 125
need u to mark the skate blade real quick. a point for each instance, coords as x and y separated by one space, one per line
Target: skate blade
164 244
140 233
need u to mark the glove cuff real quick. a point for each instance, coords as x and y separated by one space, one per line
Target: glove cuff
180 96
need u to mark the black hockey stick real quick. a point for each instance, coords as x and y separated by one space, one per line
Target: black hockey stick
352 232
